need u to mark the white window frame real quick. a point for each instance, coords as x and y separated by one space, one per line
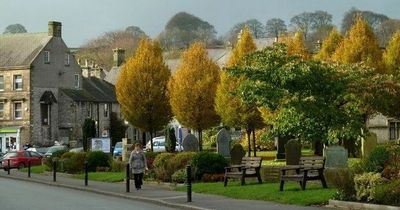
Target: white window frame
1 110
2 82
15 82
15 110
46 57
67 59
76 80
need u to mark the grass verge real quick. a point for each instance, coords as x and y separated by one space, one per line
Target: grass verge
102 176
36 169
292 194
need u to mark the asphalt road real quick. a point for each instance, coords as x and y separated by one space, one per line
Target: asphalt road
20 195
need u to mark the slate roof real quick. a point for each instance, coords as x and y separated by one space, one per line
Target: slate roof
93 90
21 49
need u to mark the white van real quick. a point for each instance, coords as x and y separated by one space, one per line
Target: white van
159 145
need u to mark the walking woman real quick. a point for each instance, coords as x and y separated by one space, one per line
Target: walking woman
138 164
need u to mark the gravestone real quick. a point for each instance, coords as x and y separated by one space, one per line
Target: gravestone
335 157
280 147
237 153
190 143
368 143
223 143
293 152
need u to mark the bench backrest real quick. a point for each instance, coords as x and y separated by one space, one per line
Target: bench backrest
315 162
252 162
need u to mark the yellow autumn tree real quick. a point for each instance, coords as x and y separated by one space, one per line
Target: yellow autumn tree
360 46
229 106
329 46
295 45
192 90
141 89
391 57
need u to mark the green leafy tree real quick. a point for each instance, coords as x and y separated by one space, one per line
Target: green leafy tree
374 20
15 29
192 90
228 104
117 128
391 57
88 131
141 89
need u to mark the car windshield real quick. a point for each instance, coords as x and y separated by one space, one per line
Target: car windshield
10 155
118 145
54 149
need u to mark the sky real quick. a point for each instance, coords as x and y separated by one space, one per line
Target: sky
84 20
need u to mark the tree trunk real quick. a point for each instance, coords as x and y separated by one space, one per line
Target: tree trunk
151 141
254 143
200 140
248 142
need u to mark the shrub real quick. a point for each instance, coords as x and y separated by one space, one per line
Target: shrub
207 162
161 169
376 160
117 165
180 160
365 185
213 177
179 176
389 193
73 163
150 157
343 180
97 159
56 156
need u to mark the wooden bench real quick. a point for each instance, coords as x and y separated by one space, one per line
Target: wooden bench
309 168
250 167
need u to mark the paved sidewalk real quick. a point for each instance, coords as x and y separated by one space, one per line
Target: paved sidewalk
154 193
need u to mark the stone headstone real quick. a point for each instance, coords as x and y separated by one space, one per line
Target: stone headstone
237 153
190 143
368 143
223 142
293 152
280 147
335 157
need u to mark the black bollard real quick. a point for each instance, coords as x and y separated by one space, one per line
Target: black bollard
86 173
54 170
189 183
128 178
29 168
9 168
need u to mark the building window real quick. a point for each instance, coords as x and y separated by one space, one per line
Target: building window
66 59
76 80
17 82
46 56
1 82
394 130
106 110
17 110
45 111
1 110
89 110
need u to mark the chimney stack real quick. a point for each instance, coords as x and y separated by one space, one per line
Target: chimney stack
119 57
54 29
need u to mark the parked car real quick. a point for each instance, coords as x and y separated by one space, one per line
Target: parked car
117 149
78 149
159 145
40 150
20 159
1 159
53 149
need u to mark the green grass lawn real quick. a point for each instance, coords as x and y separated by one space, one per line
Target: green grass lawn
103 176
36 169
292 194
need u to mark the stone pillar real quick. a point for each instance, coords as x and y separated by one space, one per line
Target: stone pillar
119 57
54 29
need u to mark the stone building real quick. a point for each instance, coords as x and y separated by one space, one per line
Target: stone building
43 96
386 129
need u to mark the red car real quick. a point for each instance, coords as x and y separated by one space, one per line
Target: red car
20 159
